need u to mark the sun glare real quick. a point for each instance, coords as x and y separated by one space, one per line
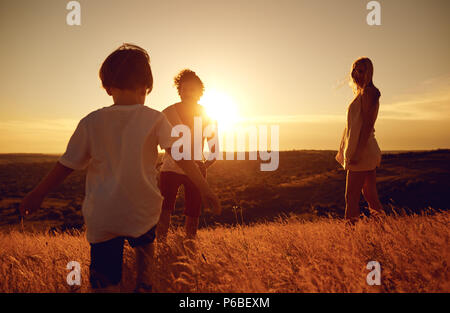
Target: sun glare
221 107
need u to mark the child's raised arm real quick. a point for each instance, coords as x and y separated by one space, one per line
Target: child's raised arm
34 198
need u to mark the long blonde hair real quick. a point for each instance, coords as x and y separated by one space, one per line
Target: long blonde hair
368 75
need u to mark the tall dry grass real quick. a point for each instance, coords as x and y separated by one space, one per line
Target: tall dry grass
285 256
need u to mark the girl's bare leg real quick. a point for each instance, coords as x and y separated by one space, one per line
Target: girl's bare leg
163 225
370 192
191 227
354 184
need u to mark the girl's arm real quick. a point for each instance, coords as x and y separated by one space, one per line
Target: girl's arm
34 198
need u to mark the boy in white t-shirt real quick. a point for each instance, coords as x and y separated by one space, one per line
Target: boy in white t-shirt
117 145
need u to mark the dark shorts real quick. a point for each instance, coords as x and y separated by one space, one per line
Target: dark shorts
107 257
169 184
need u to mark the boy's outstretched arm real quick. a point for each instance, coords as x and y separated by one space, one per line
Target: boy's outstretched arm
34 198
209 198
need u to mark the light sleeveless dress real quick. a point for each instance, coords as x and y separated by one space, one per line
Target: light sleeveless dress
371 155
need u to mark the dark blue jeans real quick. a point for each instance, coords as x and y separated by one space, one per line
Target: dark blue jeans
107 257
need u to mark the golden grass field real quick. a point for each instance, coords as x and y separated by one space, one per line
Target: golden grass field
288 255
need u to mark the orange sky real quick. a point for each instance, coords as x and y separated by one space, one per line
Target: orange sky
280 62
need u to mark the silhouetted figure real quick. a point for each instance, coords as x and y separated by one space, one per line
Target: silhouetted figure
190 88
359 152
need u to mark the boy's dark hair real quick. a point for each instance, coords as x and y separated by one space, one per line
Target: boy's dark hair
187 75
128 67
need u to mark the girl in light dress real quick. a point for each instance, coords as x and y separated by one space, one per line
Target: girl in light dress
359 152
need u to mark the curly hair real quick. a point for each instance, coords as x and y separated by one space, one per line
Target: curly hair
128 67
185 76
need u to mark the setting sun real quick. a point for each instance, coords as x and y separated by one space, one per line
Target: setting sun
222 108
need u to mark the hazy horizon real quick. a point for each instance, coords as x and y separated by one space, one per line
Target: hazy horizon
246 151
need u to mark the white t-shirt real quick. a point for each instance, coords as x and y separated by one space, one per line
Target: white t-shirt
118 146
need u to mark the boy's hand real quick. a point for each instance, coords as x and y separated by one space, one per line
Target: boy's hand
34 198
30 203
202 168
210 200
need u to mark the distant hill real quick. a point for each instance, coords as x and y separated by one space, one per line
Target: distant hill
309 183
